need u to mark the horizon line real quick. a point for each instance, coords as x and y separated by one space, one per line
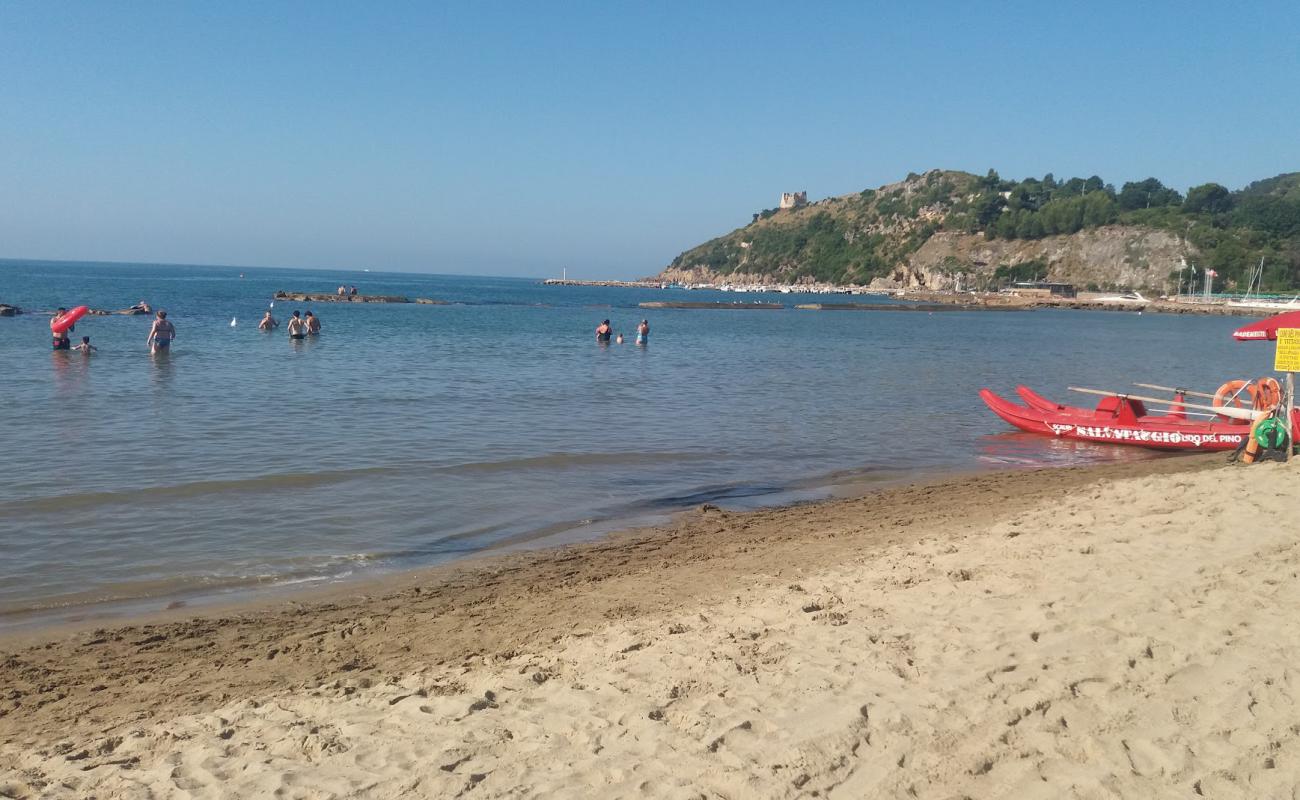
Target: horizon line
112 262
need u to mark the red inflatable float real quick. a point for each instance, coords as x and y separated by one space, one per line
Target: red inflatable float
67 319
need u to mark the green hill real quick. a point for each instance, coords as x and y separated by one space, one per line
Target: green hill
1072 227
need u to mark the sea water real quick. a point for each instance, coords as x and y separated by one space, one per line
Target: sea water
407 435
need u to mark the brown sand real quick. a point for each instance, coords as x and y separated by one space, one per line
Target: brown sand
1086 632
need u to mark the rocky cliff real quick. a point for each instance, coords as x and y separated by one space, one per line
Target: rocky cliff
1110 257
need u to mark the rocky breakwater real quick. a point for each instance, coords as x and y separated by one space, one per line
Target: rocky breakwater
1084 302
649 283
327 297
736 305
926 307
7 310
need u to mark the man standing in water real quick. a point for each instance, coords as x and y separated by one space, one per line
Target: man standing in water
268 323
161 334
297 328
62 341
643 333
313 323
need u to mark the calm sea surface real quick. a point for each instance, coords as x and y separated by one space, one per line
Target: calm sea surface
406 435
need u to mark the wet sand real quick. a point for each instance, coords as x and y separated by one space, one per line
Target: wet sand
1108 631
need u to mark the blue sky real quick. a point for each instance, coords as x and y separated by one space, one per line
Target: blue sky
517 139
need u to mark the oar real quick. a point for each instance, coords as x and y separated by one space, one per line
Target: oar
1187 392
1184 411
1235 413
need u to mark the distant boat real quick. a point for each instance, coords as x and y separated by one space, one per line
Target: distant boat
1253 283
1130 297
1267 305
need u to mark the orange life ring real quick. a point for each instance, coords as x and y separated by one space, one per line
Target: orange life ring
1265 394
1229 395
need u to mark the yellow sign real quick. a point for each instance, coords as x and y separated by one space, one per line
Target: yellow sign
1287 358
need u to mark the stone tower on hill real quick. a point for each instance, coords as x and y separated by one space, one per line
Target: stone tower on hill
794 199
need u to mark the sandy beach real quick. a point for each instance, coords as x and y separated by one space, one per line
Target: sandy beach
1119 631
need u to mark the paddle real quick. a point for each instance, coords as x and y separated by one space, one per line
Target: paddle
1230 399
1234 413
1184 411
1187 392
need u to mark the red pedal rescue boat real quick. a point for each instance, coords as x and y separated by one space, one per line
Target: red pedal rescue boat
1118 419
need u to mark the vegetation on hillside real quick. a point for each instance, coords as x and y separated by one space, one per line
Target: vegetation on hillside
858 237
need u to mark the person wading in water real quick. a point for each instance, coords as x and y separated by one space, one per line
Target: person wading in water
161 334
297 328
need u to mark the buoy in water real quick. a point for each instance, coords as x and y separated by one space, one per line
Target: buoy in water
234 321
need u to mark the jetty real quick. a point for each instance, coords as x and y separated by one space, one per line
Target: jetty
929 307
737 305
1086 301
616 284
333 297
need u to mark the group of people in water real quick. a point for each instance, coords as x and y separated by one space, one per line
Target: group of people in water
604 331
299 326
162 332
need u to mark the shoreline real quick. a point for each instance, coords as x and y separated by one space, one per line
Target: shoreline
76 681
252 595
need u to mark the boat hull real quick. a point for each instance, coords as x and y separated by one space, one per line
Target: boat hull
1113 425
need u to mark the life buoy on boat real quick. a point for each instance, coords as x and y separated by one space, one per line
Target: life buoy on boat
1229 395
1264 393
1267 394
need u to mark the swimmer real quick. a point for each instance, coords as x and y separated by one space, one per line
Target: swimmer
161 334
62 341
297 328
618 339
313 324
86 347
643 333
603 330
268 323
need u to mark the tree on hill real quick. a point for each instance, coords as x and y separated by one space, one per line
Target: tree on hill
1149 193
1208 198
1285 185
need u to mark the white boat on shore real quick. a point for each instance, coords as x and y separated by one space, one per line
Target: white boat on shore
1129 297
1268 305
1253 284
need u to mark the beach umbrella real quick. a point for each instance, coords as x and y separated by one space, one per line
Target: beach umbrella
1266 329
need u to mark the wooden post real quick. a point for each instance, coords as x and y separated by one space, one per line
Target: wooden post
1290 410
1286 358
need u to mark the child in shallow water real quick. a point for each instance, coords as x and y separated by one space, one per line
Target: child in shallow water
85 346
